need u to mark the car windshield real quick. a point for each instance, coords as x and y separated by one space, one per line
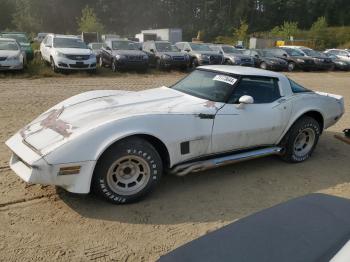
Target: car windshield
231 50
164 47
19 37
293 52
267 53
309 52
8 45
200 47
123 45
61 42
213 86
276 52
97 46
175 49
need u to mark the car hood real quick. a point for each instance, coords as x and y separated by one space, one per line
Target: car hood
6 53
239 56
90 110
207 53
74 51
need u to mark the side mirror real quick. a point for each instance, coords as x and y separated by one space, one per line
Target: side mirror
221 53
245 100
256 56
187 50
151 50
108 48
285 55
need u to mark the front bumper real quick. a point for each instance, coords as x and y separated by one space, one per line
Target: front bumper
170 63
130 64
11 65
68 64
32 167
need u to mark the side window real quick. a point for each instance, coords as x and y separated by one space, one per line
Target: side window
263 90
187 46
49 41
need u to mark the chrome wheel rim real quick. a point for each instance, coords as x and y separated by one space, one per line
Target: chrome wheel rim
114 67
304 142
263 66
128 175
101 62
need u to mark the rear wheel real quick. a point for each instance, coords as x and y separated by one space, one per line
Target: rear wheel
194 63
128 171
301 140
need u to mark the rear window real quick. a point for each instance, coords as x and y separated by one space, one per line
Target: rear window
296 88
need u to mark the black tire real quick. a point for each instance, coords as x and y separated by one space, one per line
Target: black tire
109 175
194 63
291 66
263 65
294 151
159 64
114 66
53 66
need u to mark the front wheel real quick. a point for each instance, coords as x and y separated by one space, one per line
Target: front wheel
301 140
263 65
127 171
291 66
114 66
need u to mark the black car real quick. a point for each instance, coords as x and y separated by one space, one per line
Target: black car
123 54
321 61
96 49
339 64
163 55
200 54
294 58
233 56
265 60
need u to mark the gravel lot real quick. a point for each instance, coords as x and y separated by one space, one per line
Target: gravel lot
39 223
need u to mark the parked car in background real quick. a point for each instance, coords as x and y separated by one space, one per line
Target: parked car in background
163 55
233 56
23 40
123 54
11 55
96 49
294 58
64 52
40 37
119 143
343 55
340 64
301 61
200 54
265 60
322 62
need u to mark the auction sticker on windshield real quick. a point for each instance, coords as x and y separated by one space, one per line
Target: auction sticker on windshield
226 79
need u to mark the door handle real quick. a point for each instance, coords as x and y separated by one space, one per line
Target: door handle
206 116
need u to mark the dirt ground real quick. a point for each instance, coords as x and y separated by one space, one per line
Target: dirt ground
42 223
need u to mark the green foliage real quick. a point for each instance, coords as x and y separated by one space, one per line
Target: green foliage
285 31
228 40
241 33
24 18
318 32
89 22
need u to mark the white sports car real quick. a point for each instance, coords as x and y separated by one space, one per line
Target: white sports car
119 143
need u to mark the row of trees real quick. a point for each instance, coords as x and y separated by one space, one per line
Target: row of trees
211 17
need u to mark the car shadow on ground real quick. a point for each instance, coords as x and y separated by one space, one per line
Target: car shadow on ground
226 193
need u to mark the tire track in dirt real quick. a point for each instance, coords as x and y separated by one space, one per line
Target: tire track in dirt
22 200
